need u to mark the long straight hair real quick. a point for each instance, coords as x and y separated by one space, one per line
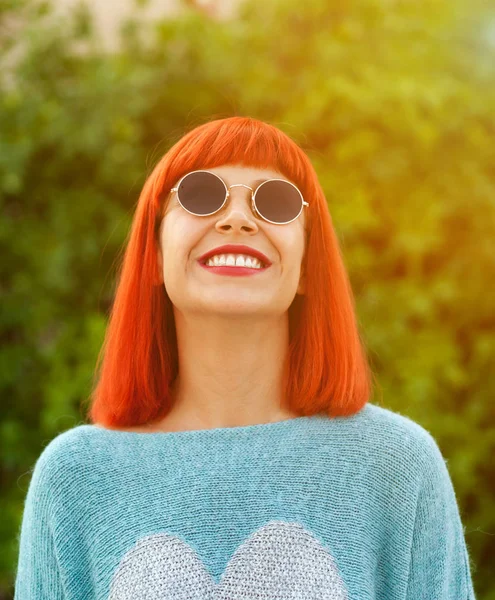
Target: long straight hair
326 369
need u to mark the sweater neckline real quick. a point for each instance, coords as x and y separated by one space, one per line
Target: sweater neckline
237 430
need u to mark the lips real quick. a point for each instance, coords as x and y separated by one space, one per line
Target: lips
236 249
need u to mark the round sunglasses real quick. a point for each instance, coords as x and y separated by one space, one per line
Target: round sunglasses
203 193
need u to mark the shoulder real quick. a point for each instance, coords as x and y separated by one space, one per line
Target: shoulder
65 447
61 457
394 425
392 436
56 467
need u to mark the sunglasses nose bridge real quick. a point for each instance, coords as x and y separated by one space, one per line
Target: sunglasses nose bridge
240 185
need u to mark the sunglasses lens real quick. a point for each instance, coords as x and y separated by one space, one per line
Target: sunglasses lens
278 201
201 193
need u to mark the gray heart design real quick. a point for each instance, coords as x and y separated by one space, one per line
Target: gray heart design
279 561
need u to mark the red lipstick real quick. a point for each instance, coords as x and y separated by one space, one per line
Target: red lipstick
236 249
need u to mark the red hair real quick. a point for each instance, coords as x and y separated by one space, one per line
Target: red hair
326 370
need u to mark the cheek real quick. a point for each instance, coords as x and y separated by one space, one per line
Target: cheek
291 245
170 245
178 238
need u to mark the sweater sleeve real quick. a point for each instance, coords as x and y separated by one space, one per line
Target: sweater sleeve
38 575
439 566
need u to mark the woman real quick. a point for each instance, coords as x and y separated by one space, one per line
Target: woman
233 451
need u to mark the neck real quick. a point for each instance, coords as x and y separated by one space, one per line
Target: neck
231 372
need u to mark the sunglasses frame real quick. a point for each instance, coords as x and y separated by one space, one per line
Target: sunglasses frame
227 196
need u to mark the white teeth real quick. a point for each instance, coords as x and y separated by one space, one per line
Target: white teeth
237 260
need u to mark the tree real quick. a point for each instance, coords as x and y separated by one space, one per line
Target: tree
393 102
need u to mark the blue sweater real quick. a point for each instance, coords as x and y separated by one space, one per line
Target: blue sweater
357 508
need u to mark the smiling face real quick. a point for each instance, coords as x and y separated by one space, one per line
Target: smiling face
184 238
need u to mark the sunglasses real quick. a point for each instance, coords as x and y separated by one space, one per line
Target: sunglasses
203 193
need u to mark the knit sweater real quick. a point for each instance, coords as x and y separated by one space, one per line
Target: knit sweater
355 508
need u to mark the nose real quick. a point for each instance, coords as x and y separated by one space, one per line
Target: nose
237 213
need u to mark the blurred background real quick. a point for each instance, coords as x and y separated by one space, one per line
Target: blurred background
394 102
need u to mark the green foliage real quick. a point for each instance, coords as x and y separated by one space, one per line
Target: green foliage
393 101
